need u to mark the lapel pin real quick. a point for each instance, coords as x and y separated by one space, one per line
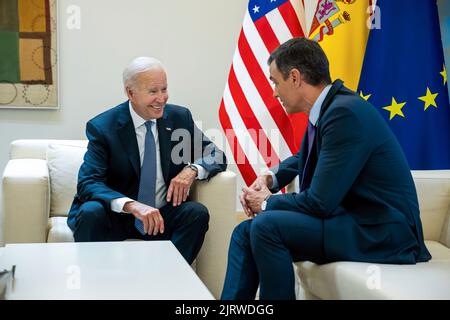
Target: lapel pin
169 129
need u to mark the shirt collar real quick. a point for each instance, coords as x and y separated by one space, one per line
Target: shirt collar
137 119
315 110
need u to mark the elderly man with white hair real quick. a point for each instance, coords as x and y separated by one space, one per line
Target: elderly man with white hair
136 174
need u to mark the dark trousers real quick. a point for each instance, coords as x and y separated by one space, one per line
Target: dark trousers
262 251
185 226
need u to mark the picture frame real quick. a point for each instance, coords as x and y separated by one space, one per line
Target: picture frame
29 61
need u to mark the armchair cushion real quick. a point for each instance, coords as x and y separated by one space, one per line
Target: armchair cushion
64 161
58 230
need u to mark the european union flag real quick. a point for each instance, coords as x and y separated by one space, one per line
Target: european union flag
404 76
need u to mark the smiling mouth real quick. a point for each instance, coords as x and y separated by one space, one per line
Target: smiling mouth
157 108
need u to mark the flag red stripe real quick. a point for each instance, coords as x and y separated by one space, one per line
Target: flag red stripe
265 90
291 127
247 172
299 123
290 18
266 33
250 121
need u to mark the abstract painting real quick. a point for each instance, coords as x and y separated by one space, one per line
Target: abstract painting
28 54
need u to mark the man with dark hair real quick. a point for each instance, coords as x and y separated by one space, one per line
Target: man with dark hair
357 199
307 57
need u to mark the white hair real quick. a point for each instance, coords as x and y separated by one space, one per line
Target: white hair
138 65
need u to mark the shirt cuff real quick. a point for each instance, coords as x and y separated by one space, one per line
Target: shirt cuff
118 204
202 173
274 180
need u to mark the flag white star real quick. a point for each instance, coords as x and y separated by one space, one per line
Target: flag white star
255 9
273 1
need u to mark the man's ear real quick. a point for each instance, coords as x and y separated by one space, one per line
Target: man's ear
296 77
129 92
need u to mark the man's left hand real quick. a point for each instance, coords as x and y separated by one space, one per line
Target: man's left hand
254 198
179 186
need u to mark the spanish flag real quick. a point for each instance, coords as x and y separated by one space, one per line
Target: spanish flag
341 28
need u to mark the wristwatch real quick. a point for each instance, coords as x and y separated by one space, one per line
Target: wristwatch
191 166
264 203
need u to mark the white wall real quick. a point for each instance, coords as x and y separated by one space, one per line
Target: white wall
195 40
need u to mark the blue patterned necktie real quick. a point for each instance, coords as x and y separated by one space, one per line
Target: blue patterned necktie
147 181
305 182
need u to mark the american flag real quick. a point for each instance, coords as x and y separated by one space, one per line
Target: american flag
258 130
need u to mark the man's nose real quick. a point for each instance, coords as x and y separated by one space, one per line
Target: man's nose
161 97
275 94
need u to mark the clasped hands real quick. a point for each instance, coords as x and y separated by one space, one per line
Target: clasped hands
252 197
177 193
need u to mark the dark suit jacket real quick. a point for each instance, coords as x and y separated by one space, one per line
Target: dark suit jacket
111 167
361 185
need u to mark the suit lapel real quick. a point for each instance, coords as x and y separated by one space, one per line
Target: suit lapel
165 128
337 85
312 161
127 136
303 152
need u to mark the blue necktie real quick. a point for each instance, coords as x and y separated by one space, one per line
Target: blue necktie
305 182
147 181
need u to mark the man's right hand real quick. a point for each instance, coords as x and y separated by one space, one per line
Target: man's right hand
151 218
262 180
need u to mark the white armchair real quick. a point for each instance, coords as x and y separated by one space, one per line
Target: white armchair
39 182
425 280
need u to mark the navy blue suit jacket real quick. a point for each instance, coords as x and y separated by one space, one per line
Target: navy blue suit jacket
361 185
111 167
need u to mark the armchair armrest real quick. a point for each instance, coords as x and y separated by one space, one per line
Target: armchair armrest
219 196
26 201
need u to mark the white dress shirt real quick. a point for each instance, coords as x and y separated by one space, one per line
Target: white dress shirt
313 117
161 189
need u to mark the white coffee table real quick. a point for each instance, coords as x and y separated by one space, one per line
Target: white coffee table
101 270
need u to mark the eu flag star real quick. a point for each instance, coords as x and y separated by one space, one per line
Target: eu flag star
429 99
395 109
444 74
365 97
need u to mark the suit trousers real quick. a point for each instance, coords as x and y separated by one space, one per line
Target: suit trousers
262 251
185 225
